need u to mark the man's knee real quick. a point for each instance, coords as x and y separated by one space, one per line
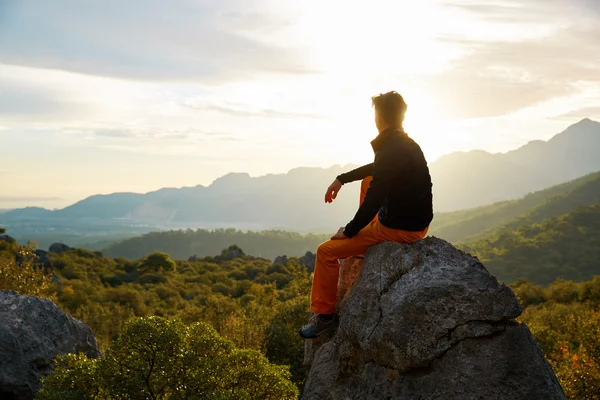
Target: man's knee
324 249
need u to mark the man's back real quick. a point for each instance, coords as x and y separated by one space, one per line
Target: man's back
409 203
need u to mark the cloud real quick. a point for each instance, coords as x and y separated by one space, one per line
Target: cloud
136 135
142 133
499 76
524 11
113 133
177 40
240 110
592 112
18 101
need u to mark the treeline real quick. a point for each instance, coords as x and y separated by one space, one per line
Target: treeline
182 244
255 304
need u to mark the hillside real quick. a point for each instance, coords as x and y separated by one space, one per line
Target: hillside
473 224
295 200
566 247
258 304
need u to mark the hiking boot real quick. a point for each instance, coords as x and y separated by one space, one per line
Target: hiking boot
315 327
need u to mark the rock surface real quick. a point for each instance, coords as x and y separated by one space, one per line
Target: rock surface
280 260
43 259
32 332
308 260
426 321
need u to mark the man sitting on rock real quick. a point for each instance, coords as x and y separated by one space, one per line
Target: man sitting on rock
396 205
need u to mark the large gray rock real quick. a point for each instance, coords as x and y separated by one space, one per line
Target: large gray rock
426 321
32 332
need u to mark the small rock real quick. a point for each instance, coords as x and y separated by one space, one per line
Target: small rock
8 239
43 259
280 260
59 248
308 260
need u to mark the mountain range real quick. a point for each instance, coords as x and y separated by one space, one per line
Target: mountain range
542 236
294 200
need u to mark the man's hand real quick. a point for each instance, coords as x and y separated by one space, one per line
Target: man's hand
332 191
339 235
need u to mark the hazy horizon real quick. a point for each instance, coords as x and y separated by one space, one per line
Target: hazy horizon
107 97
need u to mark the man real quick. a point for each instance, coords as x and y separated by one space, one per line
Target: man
397 206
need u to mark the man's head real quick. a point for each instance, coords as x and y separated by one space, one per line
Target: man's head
390 109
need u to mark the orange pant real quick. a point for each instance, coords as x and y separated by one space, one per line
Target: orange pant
324 286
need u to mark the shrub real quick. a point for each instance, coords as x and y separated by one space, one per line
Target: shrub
156 358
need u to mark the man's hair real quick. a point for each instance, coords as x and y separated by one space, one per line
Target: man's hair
391 107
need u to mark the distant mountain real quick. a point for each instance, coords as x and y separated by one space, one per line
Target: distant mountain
292 200
28 213
485 221
457 227
295 200
466 180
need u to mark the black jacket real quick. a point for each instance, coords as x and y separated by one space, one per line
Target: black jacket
401 189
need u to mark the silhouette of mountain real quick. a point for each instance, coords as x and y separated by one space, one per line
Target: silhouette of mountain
466 180
295 200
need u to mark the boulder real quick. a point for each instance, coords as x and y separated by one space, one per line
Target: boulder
59 248
280 260
308 260
427 321
32 332
43 259
232 252
8 239
193 258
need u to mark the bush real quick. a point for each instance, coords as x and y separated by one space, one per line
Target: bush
155 358
157 262
23 276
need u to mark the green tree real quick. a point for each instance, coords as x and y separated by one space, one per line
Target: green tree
18 271
156 262
159 359
284 345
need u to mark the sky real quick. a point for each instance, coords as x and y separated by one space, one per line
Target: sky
103 96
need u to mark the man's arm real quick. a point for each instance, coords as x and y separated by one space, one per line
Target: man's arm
383 178
357 174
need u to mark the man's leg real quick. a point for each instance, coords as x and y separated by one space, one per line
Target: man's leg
325 280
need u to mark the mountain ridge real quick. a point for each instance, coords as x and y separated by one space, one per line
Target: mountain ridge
294 200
